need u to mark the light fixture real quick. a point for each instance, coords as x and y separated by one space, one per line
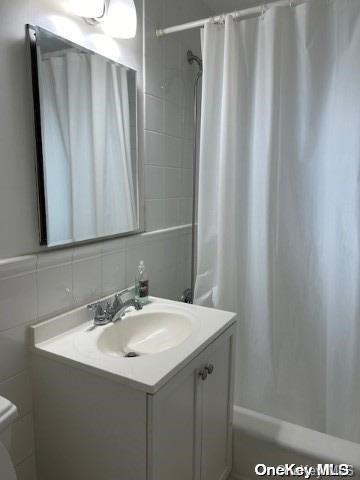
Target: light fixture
86 8
118 18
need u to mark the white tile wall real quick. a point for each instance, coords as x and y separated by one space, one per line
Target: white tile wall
57 281
36 286
13 351
87 273
173 151
17 300
169 133
155 182
54 288
22 439
113 271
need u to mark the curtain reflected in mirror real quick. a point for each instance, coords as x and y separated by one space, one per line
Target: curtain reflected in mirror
89 142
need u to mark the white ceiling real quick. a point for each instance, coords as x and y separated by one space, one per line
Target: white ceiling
223 6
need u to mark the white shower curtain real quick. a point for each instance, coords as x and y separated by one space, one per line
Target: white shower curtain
279 207
87 147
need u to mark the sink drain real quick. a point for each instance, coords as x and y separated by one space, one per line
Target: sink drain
131 355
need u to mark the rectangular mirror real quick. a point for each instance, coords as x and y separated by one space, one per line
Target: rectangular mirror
86 135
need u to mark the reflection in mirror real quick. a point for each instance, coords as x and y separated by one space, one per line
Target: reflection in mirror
85 106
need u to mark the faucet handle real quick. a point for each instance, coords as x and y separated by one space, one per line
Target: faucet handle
101 315
97 308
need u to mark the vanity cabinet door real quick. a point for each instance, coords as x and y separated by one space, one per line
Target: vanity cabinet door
190 418
217 408
174 427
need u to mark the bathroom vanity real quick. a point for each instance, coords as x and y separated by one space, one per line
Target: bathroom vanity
165 414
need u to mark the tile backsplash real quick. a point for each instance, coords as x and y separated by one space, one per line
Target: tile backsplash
169 129
35 287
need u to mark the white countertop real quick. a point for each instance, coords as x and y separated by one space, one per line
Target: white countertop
57 338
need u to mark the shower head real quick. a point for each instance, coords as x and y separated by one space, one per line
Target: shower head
191 58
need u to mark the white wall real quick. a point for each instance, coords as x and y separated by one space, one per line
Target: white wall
168 107
18 204
38 285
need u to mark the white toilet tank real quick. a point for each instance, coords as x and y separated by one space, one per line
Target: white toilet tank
8 413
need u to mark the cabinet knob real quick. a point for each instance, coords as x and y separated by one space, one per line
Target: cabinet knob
209 368
203 373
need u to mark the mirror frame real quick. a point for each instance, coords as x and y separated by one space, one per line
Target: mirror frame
31 31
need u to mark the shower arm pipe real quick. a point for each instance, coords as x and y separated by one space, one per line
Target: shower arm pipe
195 173
238 15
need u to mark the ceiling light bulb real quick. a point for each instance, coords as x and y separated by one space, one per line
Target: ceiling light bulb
121 19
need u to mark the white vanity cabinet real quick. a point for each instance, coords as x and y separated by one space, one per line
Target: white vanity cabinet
190 418
155 417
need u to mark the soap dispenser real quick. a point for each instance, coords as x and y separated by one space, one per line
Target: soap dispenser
142 284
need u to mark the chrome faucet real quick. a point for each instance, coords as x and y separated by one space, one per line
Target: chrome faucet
105 313
121 311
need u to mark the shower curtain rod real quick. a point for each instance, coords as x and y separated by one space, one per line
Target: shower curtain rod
238 14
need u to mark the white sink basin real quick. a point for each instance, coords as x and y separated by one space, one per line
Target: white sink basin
165 335
156 328
145 332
